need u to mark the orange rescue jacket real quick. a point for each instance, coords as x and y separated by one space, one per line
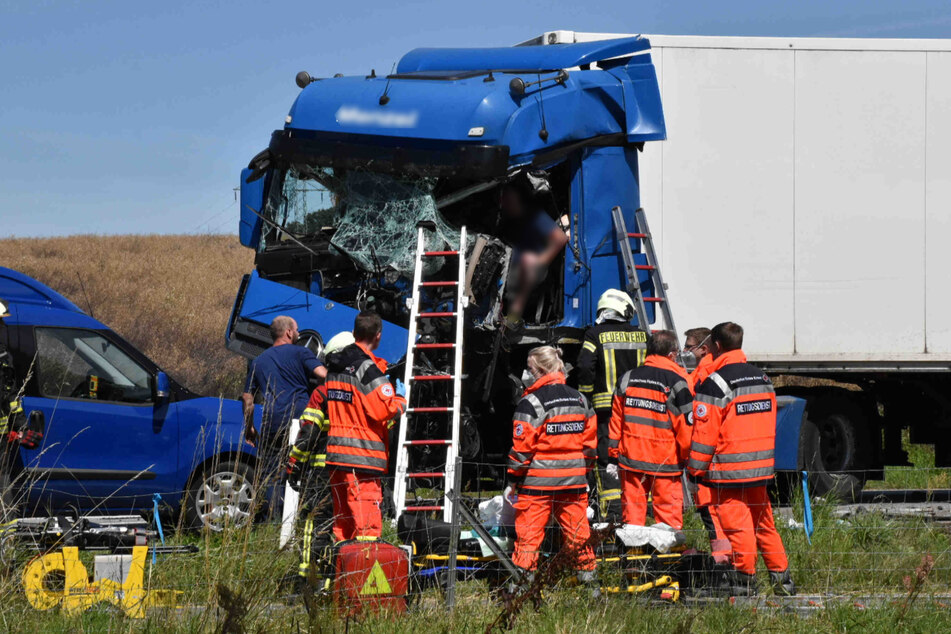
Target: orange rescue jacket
734 432
650 427
701 372
554 438
361 405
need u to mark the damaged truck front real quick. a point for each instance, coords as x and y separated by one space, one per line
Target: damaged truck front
332 205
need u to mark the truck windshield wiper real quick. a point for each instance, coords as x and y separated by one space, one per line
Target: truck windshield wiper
296 240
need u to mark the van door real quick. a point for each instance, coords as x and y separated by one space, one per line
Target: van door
108 445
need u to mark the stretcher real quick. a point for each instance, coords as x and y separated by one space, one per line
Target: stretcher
663 576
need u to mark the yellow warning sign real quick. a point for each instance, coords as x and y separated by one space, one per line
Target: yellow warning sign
376 582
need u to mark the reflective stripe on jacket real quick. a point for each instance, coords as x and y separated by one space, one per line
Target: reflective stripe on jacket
310 447
12 409
609 350
734 434
650 429
362 405
554 438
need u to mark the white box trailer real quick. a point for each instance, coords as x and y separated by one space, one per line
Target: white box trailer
804 191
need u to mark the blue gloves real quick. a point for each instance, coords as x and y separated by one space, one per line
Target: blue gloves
400 388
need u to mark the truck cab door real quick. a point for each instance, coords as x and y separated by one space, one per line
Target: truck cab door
109 443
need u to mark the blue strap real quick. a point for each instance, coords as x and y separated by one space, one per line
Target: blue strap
806 508
156 498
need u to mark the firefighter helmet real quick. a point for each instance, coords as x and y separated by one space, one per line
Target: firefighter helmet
618 301
338 342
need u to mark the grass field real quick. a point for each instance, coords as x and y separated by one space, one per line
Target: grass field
233 584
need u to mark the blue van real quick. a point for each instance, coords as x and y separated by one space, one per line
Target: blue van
118 428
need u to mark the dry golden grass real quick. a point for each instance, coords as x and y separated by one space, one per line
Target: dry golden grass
170 296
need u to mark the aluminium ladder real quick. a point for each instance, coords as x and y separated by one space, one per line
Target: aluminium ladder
643 235
414 377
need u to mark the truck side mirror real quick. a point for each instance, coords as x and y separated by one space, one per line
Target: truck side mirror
252 199
161 386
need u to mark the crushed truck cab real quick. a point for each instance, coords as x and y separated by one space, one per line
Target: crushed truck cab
332 205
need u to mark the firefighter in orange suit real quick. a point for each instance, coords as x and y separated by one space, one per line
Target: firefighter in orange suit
649 434
554 446
734 437
698 348
362 406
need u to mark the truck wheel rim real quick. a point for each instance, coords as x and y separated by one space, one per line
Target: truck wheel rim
224 498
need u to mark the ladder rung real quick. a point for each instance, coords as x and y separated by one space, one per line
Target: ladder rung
433 377
436 254
639 236
654 299
427 474
428 410
423 508
450 283
431 315
644 267
428 442
434 346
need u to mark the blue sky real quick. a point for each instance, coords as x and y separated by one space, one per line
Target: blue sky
134 117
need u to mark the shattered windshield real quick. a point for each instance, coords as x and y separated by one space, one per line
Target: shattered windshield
369 216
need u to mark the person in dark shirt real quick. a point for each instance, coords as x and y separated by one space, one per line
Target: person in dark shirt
281 376
536 241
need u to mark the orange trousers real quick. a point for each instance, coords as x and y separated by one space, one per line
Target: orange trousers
356 498
668 498
720 546
532 513
747 519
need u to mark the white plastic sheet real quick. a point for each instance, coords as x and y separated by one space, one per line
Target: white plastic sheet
661 536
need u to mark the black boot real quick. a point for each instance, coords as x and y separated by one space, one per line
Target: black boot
741 584
589 579
514 587
716 580
782 583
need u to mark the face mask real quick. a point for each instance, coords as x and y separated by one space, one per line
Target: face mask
687 359
527 377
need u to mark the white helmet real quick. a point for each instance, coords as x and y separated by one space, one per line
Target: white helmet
338 342
617 301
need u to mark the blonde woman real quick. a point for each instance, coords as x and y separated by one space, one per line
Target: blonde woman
554 446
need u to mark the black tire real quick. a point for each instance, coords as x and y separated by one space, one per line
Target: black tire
833 446
221 495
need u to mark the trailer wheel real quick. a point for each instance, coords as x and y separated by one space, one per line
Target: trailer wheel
833 448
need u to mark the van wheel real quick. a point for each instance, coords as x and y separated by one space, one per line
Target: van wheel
221 496
833 448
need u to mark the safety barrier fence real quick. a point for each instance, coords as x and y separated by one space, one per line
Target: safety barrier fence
891 542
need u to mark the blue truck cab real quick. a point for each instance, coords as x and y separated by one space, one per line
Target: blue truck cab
118 429
331 206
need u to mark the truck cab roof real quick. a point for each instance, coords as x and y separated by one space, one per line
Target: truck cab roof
504 107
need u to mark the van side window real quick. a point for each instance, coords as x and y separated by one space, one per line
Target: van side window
82 364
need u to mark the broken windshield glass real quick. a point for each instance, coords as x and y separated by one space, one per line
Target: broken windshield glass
372 217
